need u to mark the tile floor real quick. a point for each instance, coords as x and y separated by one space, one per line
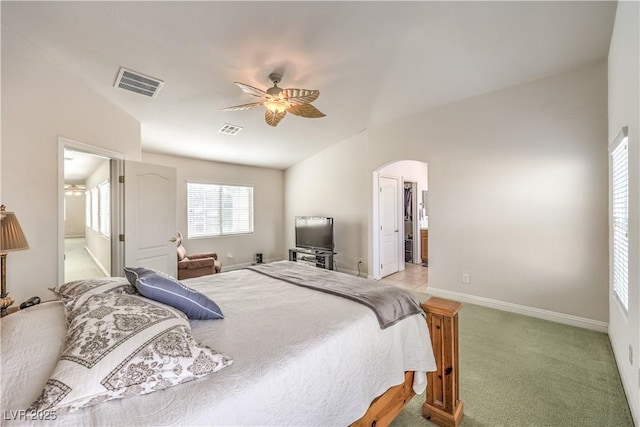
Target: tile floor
413 278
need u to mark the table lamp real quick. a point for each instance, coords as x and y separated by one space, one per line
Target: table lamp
11 239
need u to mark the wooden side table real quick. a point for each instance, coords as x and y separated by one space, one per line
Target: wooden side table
11 310
443 405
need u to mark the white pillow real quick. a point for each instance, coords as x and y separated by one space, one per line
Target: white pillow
76 292
120 345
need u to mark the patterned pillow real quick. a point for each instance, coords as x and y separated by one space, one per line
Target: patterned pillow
120 345
164 288
75 293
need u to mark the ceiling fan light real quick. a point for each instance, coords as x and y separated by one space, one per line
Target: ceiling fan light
275 106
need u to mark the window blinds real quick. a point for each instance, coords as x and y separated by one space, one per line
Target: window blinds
620 221
94 208
217 210
87 218
105 208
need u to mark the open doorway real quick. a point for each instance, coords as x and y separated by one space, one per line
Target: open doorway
87 211
408 226
149 196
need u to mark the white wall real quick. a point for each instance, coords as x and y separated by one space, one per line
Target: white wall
41 101
517 192
624 110
268 206
74 215
98 245
333 183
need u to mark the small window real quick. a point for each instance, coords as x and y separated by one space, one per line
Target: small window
619 165
219 210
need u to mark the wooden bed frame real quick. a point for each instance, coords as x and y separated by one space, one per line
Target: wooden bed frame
442 405
387 406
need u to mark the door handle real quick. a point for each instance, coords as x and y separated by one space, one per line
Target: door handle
173 239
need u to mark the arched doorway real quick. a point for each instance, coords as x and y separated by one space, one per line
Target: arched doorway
399 215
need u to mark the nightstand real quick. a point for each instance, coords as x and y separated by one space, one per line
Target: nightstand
12 310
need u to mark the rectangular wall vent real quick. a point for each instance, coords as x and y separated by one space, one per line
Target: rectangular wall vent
137 82
229 129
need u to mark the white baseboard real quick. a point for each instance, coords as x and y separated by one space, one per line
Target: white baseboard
236 266
242 265
539 313
100 266
351 272
627 382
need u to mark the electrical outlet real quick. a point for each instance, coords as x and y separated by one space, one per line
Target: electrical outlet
359 260
229 255
465 278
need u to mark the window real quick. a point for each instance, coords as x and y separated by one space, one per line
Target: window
105 208
87 219
218 210
619 159
94 208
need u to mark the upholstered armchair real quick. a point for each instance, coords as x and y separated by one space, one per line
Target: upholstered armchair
196 265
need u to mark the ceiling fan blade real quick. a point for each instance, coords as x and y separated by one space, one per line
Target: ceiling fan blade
300 96
306 110
243 107
252 90
272 118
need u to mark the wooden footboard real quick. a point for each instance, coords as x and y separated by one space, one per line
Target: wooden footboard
442 406
388 405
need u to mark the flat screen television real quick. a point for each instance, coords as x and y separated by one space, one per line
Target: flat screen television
314 232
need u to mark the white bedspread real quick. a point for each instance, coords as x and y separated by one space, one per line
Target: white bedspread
301 357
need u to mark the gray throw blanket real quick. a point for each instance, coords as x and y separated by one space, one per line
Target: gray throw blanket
389 303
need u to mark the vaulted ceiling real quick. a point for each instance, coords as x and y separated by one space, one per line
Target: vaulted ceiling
371 61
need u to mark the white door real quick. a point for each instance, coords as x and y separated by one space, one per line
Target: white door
388 206
150 217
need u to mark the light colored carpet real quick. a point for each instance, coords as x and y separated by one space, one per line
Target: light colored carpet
522 371
78 264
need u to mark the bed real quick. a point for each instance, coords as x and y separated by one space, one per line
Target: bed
300 357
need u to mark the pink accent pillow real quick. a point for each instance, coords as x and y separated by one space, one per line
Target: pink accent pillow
182 253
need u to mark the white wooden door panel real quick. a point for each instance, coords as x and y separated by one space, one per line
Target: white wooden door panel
388 226
150 217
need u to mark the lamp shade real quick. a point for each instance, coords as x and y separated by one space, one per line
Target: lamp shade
11 235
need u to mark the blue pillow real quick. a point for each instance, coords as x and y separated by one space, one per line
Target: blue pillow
163 288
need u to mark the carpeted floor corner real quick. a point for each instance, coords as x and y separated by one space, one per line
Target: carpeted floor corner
521 371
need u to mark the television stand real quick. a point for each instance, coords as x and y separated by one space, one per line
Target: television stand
315 258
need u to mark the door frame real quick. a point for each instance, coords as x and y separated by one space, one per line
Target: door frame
116 158
415 229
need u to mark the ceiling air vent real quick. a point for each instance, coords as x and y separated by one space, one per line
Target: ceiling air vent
139 83
229 129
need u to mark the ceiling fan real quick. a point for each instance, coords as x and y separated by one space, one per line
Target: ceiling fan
74 190
278 102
